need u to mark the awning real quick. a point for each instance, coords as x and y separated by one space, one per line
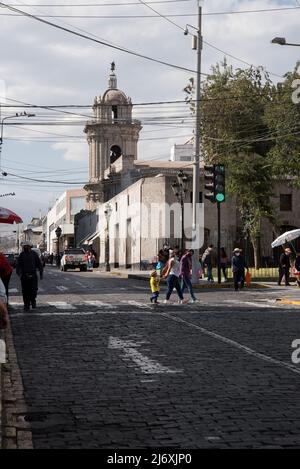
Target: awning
93 237
90 238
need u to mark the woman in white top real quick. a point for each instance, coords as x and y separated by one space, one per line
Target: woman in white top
172 275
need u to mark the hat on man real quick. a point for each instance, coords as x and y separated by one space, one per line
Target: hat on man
237 250
26 243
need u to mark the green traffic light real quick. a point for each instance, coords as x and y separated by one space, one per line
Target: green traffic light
220 197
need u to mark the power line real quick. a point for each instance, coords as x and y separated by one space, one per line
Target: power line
92 39
213 13
67 5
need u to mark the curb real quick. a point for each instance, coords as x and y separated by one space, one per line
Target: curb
16 432
287 301
210 286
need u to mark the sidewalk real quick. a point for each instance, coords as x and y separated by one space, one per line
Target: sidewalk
144 275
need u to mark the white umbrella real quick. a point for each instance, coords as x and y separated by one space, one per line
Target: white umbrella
286 237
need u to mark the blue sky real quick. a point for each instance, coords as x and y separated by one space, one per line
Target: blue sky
44 66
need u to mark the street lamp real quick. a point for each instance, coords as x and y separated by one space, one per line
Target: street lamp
179 188
58 232
282 42
107 213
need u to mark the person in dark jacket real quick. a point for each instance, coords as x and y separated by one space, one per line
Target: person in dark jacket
297 268
284 267
238 268
27 266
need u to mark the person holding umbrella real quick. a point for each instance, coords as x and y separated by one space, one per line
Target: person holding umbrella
284 267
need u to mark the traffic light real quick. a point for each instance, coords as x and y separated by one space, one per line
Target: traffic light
219 183
209 176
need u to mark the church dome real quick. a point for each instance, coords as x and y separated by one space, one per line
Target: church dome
114 96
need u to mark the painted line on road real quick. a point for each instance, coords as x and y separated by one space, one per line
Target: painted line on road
99 304
62 288
75 313
61 305
147 365
249 303
235 344
136 304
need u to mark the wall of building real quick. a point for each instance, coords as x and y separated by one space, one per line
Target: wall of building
61 214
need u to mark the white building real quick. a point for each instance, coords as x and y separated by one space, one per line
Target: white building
184 152
62 214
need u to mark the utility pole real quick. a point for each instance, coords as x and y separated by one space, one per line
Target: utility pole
197 44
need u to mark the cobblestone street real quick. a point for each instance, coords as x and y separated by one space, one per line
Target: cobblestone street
103 368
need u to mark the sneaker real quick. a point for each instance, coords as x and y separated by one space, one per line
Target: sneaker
151 299
180 302
33 304
194 300
166 301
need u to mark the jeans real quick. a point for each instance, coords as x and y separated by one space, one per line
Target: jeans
173 282
186 283
239 276
209 273
224 270
154 296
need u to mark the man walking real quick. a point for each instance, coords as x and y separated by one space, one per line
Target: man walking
207 260
284 267
185 274
28 263
238 268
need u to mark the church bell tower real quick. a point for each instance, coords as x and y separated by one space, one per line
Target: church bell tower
110 134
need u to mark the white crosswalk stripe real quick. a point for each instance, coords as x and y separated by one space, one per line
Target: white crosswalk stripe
62 288
61 305
99 304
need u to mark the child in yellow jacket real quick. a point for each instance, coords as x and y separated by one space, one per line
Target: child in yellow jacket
154 284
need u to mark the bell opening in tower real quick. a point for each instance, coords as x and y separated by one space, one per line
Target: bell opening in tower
114 113
115 153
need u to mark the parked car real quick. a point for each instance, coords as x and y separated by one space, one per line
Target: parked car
74 258
10 256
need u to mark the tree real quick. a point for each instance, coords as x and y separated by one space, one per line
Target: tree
235 133
282 115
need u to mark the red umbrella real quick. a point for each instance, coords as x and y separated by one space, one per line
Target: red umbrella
7 216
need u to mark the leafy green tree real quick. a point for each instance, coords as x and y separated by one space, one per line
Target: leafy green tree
282 115
235 133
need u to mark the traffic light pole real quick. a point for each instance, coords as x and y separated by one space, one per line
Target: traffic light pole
219 242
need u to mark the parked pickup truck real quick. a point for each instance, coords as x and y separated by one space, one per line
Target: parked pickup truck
74 258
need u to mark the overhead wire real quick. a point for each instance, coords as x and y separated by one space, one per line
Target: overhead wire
98 41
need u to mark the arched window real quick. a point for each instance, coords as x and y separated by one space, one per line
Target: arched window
115 153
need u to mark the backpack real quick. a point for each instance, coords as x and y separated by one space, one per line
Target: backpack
165 269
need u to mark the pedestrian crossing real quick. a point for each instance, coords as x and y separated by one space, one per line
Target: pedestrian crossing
97 306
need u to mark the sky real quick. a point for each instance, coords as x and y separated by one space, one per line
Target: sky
45 66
